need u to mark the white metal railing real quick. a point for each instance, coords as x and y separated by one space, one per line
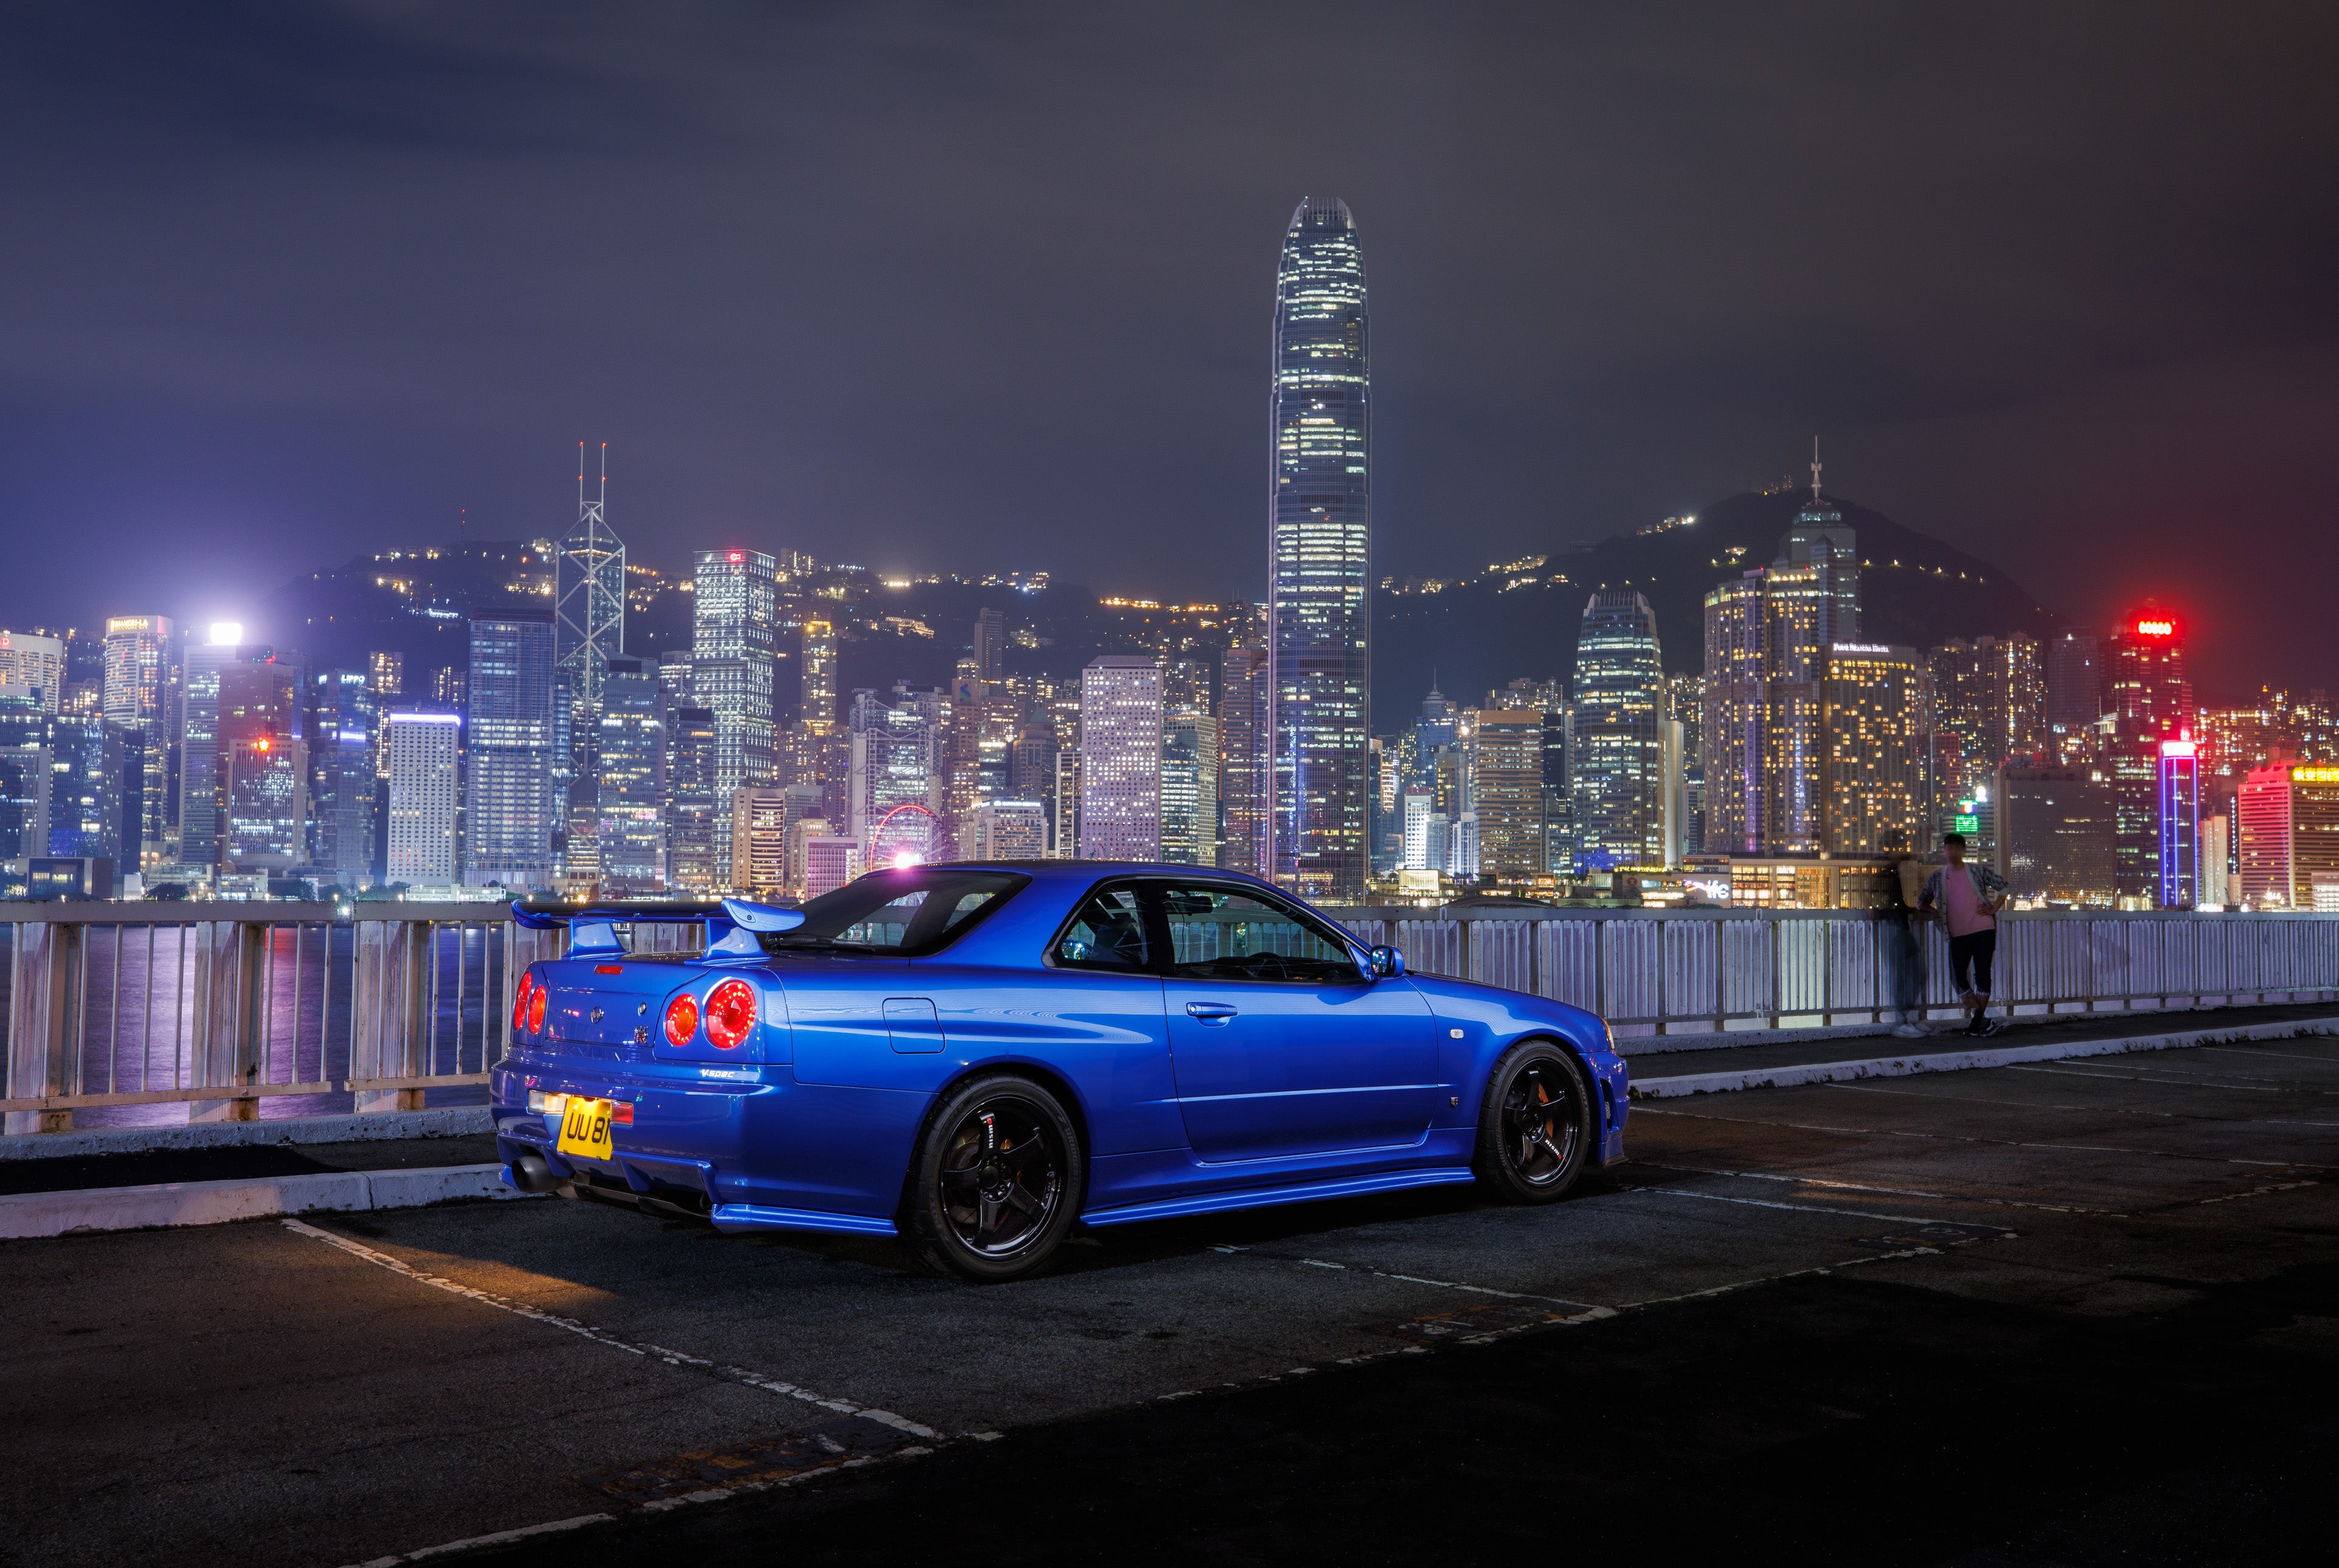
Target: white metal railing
136 1010
1670 971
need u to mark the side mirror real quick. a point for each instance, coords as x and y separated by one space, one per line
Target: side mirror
1385 962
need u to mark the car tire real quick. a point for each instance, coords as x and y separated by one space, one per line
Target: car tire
996 1182
1534 1124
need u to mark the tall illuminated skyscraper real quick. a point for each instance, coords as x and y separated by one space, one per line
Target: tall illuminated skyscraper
510 811
1619 777
1242 759
1320 589
734 666
1121 758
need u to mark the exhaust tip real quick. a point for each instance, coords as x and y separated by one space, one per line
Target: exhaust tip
531 1174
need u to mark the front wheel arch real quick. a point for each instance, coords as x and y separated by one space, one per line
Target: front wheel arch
1500 1172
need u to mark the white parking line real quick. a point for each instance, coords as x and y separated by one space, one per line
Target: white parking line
448 1548
1975 1137
2161 1079
586 1331
1888 1191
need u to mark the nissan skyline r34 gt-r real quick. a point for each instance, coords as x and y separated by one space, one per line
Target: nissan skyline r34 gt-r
978 1057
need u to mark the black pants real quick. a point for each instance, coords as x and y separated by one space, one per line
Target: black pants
1973 952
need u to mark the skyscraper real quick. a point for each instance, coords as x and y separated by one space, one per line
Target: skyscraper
342 749
1508 795
2179 810
1243 773
990 645
818 676
235 691
2150 702
1619 754
420 750
2075 689
142 687
1319 593
1871 802
509 810
1189 789
1120 759
690 799
631 788
1737 677
589 629
897 756
733 672
34 663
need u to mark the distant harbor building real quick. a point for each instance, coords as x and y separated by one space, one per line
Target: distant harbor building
589 631
830 862
1120 759
1320 594
733 669
690 866
2150 701
1508 794
421 750
1189 789
265 794
510 810
2180 824
1244 779
1870 703
235 691
342 748
2074 692
141 697
2289 828
630 790
1619 775
36 664
759 839
1010 830
1736 690
2055 835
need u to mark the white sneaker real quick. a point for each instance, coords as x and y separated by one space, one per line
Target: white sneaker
1909 1032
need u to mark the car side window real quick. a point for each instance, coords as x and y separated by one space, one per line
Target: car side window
1220 932
1107 931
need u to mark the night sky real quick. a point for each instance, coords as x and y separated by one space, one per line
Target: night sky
962 287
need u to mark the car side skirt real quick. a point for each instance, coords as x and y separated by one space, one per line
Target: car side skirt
1264 1197
738 1217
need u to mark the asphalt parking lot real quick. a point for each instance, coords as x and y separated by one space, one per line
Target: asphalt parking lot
2070 1311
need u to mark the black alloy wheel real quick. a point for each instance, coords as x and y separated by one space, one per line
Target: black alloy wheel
1535 1126
996 1183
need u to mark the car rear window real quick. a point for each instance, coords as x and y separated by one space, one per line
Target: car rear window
903 913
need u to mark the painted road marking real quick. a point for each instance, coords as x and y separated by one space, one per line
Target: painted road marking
586 1331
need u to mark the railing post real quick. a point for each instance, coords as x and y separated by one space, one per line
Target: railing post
45 1022
401 1025
231 1016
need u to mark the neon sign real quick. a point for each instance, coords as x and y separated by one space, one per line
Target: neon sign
2314 775
2155 628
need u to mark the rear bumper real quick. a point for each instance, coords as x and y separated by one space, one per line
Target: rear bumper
743 1149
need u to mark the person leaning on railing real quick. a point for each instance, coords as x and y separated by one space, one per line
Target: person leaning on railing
1968 898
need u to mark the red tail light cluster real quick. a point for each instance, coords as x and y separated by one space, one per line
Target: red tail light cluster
730 1014
681 1018
536 1005
520 1002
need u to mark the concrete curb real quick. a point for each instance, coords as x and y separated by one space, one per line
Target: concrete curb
452 1121
26 1215
1789 1074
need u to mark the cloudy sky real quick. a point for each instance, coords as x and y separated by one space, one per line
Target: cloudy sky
967 287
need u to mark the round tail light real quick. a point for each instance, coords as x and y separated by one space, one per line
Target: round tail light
681 1018
730 1014
520 1002
536 1004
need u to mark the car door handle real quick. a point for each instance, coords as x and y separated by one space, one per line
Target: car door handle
1208 1012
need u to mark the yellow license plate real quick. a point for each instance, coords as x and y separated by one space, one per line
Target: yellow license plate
585 1127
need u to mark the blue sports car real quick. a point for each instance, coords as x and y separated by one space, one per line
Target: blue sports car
977 1057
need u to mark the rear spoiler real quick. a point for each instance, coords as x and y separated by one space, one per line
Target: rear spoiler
732 924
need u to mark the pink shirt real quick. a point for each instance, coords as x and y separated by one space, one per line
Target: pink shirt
1962 902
